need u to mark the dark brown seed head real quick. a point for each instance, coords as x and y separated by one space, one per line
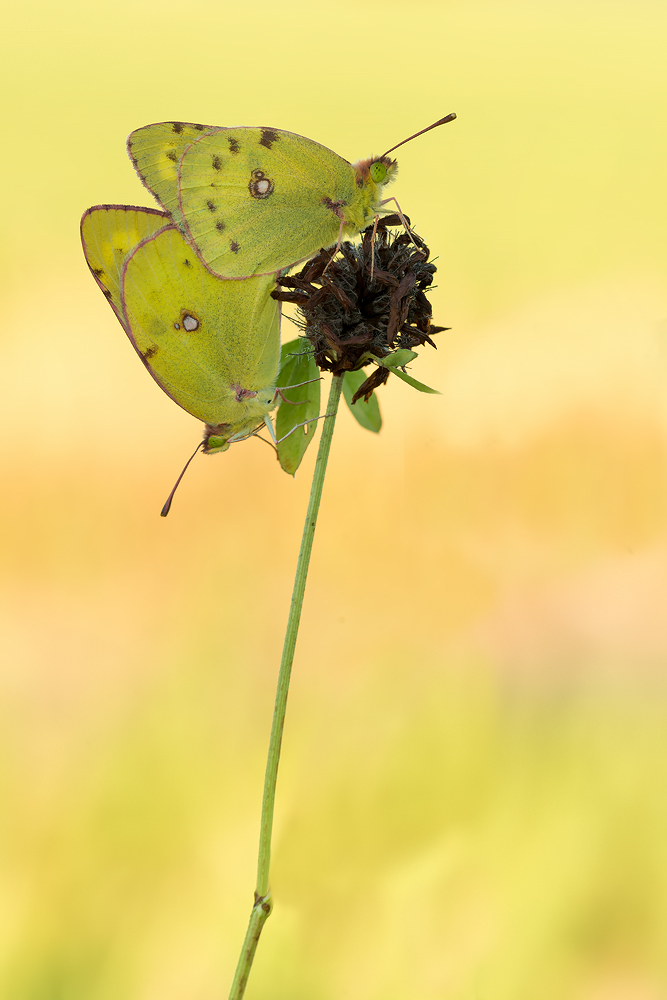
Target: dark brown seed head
350 317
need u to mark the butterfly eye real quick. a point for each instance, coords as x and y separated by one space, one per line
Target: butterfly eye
378 171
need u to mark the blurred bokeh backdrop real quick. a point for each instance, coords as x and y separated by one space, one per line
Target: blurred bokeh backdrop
473 799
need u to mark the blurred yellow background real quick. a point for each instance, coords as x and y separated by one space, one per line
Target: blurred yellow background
472 802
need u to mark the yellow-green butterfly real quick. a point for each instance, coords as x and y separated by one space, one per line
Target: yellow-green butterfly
258 200
213 346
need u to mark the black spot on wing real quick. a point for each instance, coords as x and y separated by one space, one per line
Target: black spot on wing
177 127
187 262
233 144
217 163
97 271
200 128
234 246
268 138
108 294
171 155
211 206
220 225
149 353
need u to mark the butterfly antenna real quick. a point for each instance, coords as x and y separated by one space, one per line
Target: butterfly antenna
167 505
443 121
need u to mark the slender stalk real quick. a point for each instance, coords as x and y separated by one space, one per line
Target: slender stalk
263 903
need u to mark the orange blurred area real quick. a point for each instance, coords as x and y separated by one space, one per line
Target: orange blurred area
471 795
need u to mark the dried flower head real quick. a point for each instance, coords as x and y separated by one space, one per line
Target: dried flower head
365 304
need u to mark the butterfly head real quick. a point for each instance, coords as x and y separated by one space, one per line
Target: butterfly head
216 438
377 170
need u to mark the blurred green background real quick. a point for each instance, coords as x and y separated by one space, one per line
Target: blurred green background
472 802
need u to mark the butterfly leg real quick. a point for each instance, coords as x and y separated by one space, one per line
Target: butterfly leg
246 435
312 421
340 240
290 401
269 425
402 218
375 229
298 402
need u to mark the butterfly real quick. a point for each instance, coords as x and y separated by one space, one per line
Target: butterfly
213 346
258 200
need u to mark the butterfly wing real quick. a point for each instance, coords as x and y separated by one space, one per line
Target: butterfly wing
156 151
108 233
213 346
256 200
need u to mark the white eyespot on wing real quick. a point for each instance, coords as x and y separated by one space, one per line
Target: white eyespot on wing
260 186
190 322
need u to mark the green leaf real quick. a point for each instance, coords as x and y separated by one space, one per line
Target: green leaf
397 359
297 365
368 414
413 382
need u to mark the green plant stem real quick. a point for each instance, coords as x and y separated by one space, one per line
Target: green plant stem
263 904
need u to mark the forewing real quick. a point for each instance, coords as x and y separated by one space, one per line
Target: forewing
108 234
256 200
155 151
212 345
